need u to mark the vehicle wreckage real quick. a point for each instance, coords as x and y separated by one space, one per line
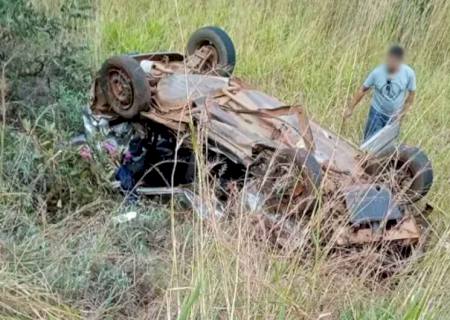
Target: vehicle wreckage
178 110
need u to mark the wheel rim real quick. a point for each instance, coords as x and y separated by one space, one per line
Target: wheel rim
120 88
209 58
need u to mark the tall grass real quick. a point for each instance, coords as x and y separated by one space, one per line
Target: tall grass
316 53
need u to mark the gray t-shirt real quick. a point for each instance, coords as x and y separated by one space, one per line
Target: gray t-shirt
390 89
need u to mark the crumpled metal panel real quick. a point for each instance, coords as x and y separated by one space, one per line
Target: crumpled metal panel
178 89
383 143
334 152
241 132
371 203
257 100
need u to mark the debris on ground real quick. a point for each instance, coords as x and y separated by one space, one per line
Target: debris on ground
125 217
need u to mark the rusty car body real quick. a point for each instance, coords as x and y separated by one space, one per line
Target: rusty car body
184 95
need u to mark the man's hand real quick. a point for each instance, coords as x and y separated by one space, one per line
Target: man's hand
354 102
348 110
400 116
347 113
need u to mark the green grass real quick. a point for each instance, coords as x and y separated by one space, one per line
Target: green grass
61 256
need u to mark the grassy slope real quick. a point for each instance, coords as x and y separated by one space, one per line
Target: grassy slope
60 256
317 53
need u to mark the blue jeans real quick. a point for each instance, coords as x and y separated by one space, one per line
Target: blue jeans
375 122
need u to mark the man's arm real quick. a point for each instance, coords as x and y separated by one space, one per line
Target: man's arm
368 83
355 100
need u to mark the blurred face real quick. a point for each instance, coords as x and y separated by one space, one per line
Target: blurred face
393 62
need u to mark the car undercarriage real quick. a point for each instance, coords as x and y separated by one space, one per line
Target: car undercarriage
184 117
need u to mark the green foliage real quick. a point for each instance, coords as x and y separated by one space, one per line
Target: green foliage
40 56
189 302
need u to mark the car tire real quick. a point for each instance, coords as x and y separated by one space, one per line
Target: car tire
222 43
125 86
415 163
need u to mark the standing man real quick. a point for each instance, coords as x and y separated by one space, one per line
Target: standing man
394 85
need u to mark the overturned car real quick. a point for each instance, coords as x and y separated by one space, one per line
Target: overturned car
185 110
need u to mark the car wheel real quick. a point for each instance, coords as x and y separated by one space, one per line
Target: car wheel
215 49
125 86
414 173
